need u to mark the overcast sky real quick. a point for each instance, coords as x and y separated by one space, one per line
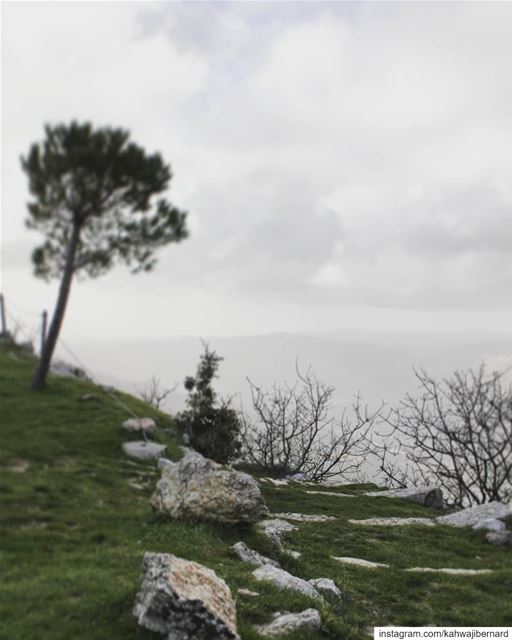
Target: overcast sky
344 165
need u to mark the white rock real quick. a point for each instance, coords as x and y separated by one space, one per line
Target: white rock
331 493
143 450
273 528
294 554
284 580
276 482
474 515
184 600
303 517
394 522
248 593
454 572
141 425
164 462
199 489
252 557
426 496
491 524
327 588
500 538
368 564
309 619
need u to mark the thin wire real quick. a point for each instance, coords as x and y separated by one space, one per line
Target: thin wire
21 310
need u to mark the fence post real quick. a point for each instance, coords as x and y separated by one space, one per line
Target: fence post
2 314
43 330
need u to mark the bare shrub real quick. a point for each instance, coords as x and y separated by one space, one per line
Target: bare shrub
458 433
296 433
154 393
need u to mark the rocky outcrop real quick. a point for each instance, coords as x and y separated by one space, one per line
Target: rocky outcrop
184 600
139 425
426 496
394 522
327 588
284 580
307 620
252 557
475 516
142 450
199 489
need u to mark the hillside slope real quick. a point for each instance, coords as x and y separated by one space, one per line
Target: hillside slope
75 522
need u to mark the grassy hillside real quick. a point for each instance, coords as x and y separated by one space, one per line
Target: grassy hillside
76 522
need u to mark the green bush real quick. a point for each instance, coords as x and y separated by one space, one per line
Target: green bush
211 426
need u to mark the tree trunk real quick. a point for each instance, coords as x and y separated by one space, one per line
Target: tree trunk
39 379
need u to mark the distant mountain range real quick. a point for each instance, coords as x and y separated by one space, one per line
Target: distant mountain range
379 365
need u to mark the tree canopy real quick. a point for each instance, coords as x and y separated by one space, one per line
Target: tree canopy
94 197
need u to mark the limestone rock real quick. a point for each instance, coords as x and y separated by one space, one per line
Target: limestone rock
500 538
303 517
294 554
164 462
331 493
184 600
477 514
284 580
359 562
248 593
394 522
306 620
273 528
252 557
453 572
427 496
327 588
139 425
199 489
142 450
491 524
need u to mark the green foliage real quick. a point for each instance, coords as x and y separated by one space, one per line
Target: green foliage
97 182
212 426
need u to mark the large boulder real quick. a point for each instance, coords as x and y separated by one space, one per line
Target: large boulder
307 620
477 515
426 496
200 489
184 600
139 425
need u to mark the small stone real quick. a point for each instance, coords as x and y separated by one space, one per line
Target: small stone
252 557
248 593
359 562
307 620
273 529
500 538
491 524
294 554
19 465
139 425
426 496
284 580
327 588
331 493
143 450
184 600
303 517
88 397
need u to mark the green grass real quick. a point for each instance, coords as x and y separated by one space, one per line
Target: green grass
73 530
